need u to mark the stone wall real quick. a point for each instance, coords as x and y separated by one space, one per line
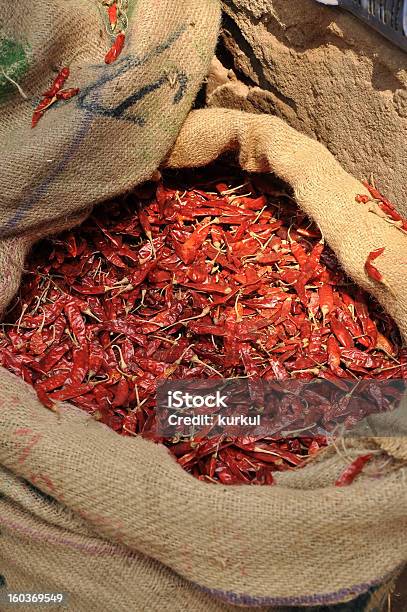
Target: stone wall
327 74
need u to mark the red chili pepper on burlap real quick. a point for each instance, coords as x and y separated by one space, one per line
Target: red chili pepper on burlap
385 209
53 382
53 95
112 14
362 199
67 94
116 49
58 83
371 270
353 470
41 108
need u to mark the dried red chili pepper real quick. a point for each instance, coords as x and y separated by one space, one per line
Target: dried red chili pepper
53 382
43 398
341 332
386 210
362 199
358 358
121 393
52 95
67 94
116 49
383 344
371 270
299 253
334 356
368 326
80 364
353 470
37 344
112 14
326 299
70 392
189 249
58 83
75 320
51 359
41 108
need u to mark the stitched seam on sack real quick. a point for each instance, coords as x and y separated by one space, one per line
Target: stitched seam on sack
318 599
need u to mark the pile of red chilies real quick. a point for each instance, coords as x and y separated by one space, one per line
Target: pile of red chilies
209 282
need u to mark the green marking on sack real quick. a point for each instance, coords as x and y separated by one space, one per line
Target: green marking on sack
13 63
132 6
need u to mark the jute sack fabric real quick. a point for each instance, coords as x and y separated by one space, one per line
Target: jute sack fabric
119 524
123 527
115 132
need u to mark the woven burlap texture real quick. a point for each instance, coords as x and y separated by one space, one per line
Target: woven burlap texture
125 504
114 134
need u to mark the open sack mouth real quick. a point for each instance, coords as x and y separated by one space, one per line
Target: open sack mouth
389 17
208 277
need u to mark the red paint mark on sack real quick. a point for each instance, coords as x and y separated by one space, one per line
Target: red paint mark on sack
23 431
46 482
113 525
26 451
186 552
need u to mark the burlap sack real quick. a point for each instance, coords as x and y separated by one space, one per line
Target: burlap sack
111 136
121 526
